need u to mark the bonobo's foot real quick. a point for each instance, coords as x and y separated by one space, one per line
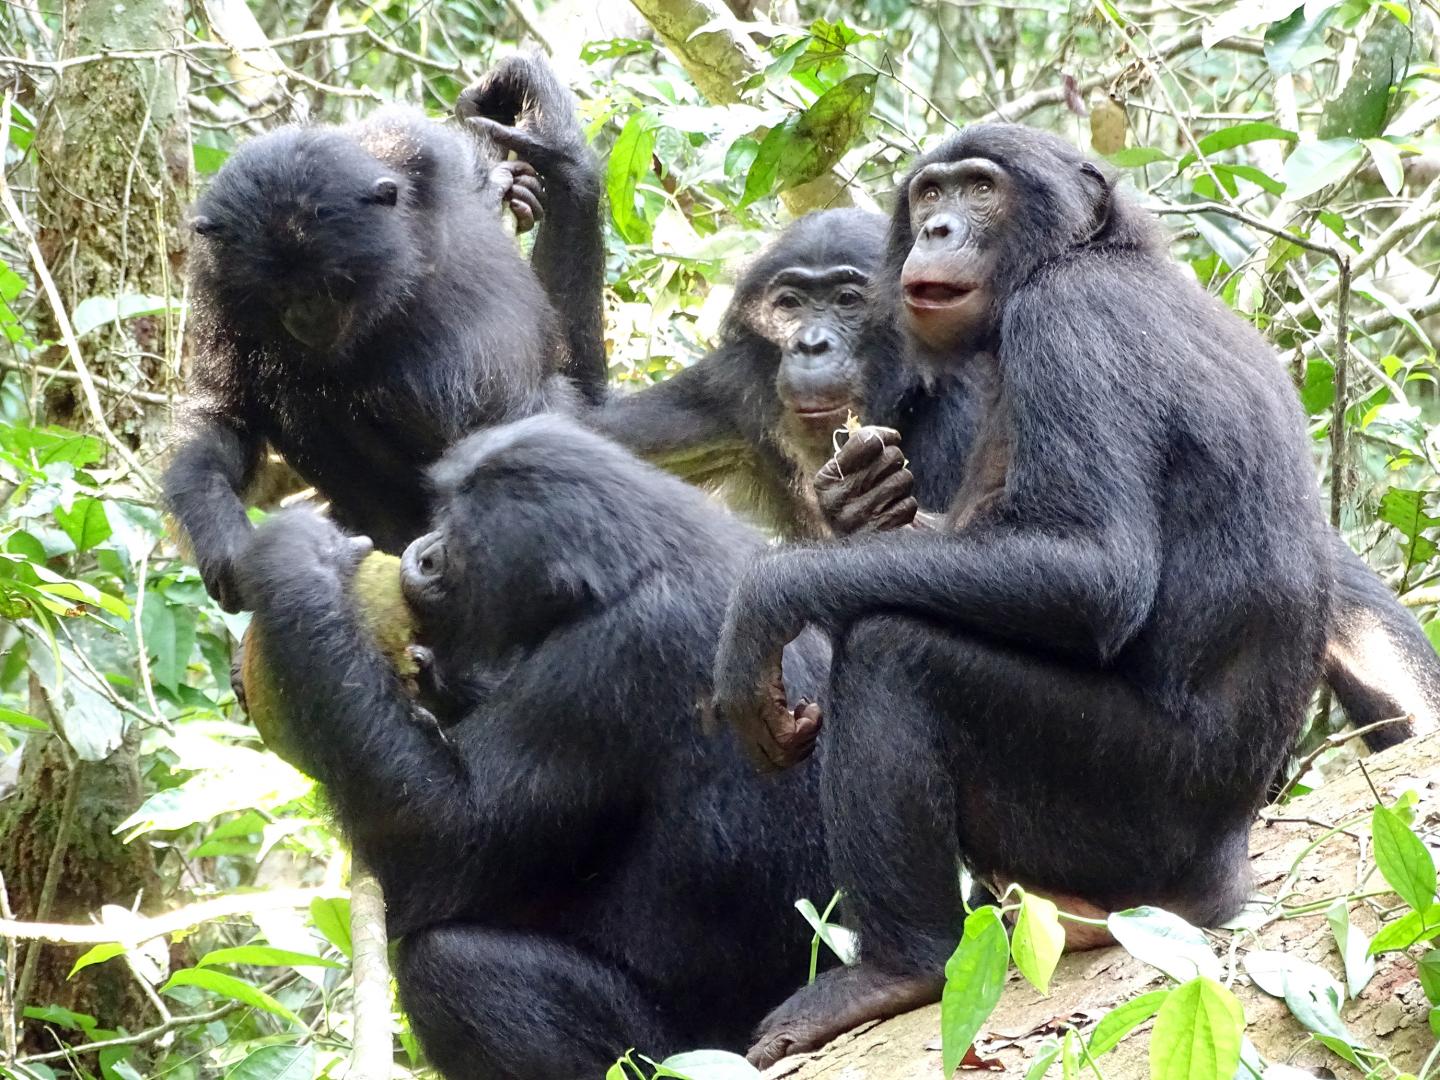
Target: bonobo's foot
776 735
517 185
867 486
835 1002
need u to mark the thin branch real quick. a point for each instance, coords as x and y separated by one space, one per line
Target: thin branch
150 1035
371 1051
134 931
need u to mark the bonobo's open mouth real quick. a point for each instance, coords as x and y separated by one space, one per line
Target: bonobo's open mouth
935 294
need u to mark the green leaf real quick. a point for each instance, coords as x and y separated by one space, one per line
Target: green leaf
22 720
1135 157
1316 1005
1165 941
1413 927
838 939
1353 943
1361 108
264 956
276 1063
1403 859
1037 941
806 146
208 159
708 1065
1317 165
1228 138
1435 1023
1278 973
974 977
1387 164
1429 968
228 986
1123 1019
85 523
1049 1051
169 639
1296 41
1318 392
630 160
1197 1033
98 955
332 918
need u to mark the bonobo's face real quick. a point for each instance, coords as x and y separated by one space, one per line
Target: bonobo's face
959 211
815 318
308 241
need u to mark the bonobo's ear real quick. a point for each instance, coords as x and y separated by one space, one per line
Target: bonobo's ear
385 191
1100 207
203 226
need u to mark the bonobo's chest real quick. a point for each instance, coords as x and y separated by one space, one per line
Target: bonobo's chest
988 462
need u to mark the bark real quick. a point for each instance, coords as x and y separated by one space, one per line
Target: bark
112 170
1389 1016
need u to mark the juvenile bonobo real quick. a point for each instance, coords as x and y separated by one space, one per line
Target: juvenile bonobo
755 416
574 866
1085 681
358 307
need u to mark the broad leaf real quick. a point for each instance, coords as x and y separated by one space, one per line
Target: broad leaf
1037 941
1165 941
218 982
630 160
263 956
1403 859
1123 1019
1197 1033
276 1063
974 977
1317 165
1353 943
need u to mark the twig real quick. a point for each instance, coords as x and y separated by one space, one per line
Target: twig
1423 211
148 396
51 882
134 931
57 307
1340 738
8 1014
1338 443
149 1035
371 1051
529 18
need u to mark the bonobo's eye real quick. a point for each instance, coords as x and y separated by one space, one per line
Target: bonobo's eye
930 193
204 226
789 301
850 298
326 213
982 187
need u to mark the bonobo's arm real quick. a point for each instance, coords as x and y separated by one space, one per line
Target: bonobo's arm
345 707
523 107
684 424
1378 661
1069 564
203 488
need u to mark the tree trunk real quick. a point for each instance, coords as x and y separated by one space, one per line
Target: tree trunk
113 172
1389 1016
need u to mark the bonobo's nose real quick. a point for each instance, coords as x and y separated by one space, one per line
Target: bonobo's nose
422 567
941 227
813 341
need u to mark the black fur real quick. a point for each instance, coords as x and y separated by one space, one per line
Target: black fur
575 867
722 422
1087 686
424 323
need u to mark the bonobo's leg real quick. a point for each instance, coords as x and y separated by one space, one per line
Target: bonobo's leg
490 1004
1378 661
1040 772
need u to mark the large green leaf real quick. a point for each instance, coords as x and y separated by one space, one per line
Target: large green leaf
1361 108
217 982
1165 941
1197 1033
1123 1019
276 1063
630 160
1037 941
974 977
1316 165
1403 859
805 146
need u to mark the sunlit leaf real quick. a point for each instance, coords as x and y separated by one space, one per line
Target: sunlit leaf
276 1063
1037 941
1197 1033
263 956
218 982
332 918
974 977
1123 1019
1316 165
1353 943
1165 941
1403 859
630 160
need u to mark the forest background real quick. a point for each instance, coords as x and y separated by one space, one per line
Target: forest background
1291 149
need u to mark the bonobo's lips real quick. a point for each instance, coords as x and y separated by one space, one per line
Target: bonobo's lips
813 412
923 296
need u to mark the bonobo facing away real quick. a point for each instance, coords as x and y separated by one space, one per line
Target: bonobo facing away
755 417
357 306
1086 680
575 867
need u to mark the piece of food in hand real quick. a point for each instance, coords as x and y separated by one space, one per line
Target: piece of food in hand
386 616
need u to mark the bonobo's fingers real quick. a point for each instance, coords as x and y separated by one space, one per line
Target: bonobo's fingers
887 505
527 145
866 487
222 582
863 446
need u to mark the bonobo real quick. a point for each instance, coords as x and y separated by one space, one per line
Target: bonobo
574 866
755 416
1084 682
358 307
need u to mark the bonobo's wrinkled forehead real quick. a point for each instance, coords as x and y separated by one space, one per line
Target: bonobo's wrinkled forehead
826 238
1036 158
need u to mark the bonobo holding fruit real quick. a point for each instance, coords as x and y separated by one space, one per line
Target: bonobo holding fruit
575 867
754 418
1085 680
358 307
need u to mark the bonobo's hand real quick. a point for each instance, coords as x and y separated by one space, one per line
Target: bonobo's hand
521 106
515 184
749 680
297 556
866 486
222 581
